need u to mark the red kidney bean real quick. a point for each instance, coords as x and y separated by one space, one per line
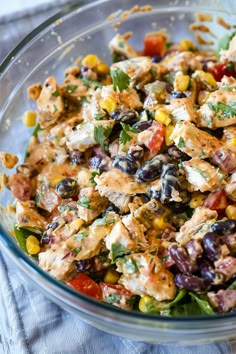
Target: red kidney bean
224 227
211 245
182 260
190 282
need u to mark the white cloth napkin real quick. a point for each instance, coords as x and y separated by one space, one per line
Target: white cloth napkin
32 324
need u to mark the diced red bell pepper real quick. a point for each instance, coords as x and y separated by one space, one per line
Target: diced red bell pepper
84 284
154 44
221 69
156 138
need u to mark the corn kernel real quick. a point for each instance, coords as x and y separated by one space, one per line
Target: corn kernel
109 104
186 45
163 116
76 224
196 200
159 223
111 276
91 61
143 303
232 142
102 68
32 245
57 180
230 212
181 82
29 119
168 131
207 79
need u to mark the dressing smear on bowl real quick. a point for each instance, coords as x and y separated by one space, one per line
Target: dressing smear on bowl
127 191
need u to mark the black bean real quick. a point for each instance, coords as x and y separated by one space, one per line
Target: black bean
190 282
141 126
77 158
135 152
151 170
111 207
128 117
53 225
224 227
98 163
156 59
211 245
83 265
177 94
182 259
169 183
174 152
125 165
67 188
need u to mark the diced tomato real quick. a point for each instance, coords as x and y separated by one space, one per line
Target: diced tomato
221 69
216 201
84 284
156 138
117 294
154 44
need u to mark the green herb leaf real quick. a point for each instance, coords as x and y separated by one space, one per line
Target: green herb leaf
120 79
21 236
81 235
55 94
112 298
99 116
84 99
181 143
223 110
118 250
88 83
124 136
232 286
84 202
93 175
203 304
131 266
76 250
70 88
204 174
224 42
101 134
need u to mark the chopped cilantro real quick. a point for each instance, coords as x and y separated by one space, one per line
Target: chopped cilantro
112 298
55 94
93 175
124 136
120 79
201 172
224 110
99 116
101 134
76 250
130 266
84 202
153 73
117 250
80 236
88 83
70 88
202 153
84 99
55 108
181 143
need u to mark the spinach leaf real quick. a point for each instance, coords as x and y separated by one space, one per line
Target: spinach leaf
202 303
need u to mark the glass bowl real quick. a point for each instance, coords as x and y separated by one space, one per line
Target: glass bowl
78 30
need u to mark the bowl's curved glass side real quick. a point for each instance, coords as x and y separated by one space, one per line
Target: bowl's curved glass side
49 51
